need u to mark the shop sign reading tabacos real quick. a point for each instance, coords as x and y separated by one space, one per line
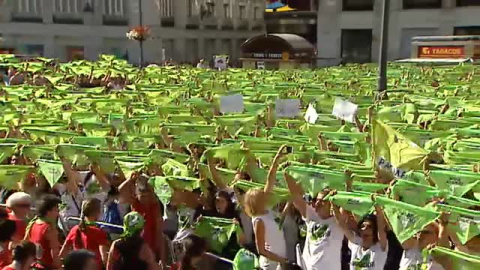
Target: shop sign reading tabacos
441 52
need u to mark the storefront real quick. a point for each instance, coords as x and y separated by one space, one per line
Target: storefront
277 51
446 47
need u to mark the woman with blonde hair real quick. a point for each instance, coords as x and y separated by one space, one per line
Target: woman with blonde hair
269 238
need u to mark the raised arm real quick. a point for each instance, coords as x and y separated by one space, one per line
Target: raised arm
214 172
73 177
297 194
127 189
101 177
443 230
272 173
381 223
342 223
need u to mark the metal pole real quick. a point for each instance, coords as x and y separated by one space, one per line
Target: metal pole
140 16
382 59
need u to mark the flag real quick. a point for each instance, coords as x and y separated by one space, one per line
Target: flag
161 188
129 165
245 260
464 222
11 175
52 170
217 231
278 194
414 193
183 183
7 150
455 260
314 181
175 168
393 152
359 204
456 182
406 219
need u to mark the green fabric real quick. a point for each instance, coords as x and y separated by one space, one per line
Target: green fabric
161 188
456 260
359 204
314 181
406 219
75 153
183 183
51 170
175 168
129 165
7 150
245 260
232 154
133 223
455 182
414 193
11 175
278 194
217 231
464 222
34 152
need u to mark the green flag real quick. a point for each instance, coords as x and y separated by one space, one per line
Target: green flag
414 193
74 153
51 169
245 260
34 152
217 231
183 183
456 182
278 194
6 150
406 219
175 168
11 175
464 222
359 204
129 165
455 260
316 180
161 188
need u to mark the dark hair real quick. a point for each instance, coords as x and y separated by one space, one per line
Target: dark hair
22 251
46 204
77 259
7 230
373 219
89 207
3 214
230 211
194 246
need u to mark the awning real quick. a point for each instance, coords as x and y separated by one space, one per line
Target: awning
447 61
282 9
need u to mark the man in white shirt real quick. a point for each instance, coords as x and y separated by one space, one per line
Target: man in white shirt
324 236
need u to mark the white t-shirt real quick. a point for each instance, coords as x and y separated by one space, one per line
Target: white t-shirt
323 244
274 238
412 259
373 258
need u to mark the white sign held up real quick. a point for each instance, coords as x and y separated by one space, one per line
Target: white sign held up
287 108
345 110
311 115
231 104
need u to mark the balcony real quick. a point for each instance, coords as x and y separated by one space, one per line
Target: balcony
193 22
115 13
68 11
27 11
115 20
242 24
67 18
227 24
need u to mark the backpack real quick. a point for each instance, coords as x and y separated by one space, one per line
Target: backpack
245 260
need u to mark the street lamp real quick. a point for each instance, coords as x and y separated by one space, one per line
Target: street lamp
382 59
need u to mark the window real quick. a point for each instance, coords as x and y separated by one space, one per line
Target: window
467 31
356 45
31 49
227 12
166 8
242 10
422 4
357 5
28 6
75 53
256 13
67 6
114 7
466 3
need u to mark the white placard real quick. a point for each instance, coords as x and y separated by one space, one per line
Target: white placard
345 110
220 61
287 108
231 104
260 65
311 115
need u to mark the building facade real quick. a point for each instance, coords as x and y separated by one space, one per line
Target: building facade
181 30
349 30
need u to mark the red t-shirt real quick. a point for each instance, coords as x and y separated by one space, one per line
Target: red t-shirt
38 236
5 257
21 226
150 213
91 238
8 268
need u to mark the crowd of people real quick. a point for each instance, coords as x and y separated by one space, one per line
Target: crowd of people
92 218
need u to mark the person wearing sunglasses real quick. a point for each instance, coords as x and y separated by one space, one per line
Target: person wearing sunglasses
19 206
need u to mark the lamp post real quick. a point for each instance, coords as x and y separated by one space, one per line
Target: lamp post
382 59
140 17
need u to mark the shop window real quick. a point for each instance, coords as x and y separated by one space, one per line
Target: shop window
356 45
422 4
357 5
